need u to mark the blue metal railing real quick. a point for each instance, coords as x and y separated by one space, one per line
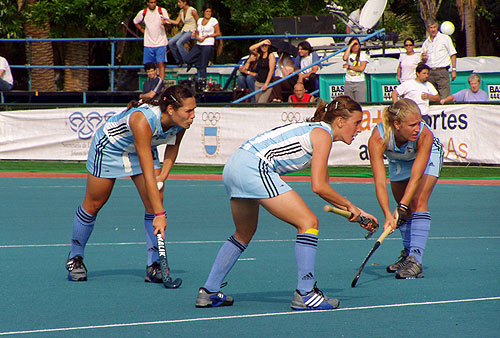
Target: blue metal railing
112 67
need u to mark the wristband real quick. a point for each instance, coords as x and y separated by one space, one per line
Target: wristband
161 214
453 69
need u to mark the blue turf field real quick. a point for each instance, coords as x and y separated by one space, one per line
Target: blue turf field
459 297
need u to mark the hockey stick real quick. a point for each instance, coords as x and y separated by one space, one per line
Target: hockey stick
363 221
165 270
375 247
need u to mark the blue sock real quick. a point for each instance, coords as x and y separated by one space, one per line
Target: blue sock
420 227
83 225
405 234
151 241
305 255
225 260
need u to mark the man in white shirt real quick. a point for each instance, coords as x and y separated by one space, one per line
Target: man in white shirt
6 80
438 53
419 90
155 37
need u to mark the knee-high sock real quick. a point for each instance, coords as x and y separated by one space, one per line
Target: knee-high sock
420 227
151 241
224 262
405 233
305 255
83 224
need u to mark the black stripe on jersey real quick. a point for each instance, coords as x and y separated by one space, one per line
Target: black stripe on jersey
101 145
284 150
271 189
120 129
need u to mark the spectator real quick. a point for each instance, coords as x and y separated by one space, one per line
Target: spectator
474 94
438 52
408 62
306 58
246 80
155 38
265 69
353 25
6 79
356 61
206 31
419 90
188 16
299 95
153 86
285 67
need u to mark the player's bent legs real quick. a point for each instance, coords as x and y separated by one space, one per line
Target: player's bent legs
245 215
151 240
96 195
421 218
291 208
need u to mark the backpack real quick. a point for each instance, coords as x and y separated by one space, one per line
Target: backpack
146 10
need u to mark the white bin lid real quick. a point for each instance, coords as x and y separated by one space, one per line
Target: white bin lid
382 66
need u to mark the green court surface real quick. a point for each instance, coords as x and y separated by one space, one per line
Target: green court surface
459 296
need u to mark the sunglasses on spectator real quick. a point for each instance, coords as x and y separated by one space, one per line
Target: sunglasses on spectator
408 45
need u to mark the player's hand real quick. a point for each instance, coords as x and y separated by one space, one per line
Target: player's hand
373 226
442 101
390 222
424 96
160 225
453 75
355 211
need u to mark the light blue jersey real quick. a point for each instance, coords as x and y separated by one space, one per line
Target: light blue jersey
254 170
112 152
286 148
401 158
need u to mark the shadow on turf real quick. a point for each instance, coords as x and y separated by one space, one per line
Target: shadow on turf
127 272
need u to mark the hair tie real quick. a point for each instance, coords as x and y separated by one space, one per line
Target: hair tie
393 110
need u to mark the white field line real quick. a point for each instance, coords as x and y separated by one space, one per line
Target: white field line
256 315
253 241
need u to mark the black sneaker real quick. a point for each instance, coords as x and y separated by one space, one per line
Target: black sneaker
212 299
77 272
399 263
411 270
153 273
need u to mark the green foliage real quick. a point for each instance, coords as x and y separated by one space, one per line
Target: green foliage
11 26
84 18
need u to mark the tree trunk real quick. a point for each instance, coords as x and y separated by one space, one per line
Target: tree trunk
76 53
428 10
470 29
42 54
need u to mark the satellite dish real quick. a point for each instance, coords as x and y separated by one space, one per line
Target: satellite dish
371 13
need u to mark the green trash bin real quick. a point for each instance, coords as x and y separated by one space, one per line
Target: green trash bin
382 76
331 81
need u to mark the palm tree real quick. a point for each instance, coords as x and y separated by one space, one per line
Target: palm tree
428 9
466 10
40 53
76 53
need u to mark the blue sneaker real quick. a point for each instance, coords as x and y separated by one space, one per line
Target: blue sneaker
212 299
314 300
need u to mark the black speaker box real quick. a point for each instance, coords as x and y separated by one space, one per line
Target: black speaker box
306 24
